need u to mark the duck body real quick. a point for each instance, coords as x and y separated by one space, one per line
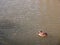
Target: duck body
42 34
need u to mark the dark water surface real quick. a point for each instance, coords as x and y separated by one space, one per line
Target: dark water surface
20 21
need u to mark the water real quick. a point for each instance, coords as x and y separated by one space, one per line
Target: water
20 21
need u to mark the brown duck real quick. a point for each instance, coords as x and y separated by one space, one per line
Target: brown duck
42 34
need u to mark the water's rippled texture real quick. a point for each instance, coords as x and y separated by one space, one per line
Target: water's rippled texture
20 20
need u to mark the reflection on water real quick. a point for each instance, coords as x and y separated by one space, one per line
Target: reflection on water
20 21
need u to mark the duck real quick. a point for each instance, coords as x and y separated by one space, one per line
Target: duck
42 34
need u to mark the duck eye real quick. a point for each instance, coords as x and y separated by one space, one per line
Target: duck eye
40 31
